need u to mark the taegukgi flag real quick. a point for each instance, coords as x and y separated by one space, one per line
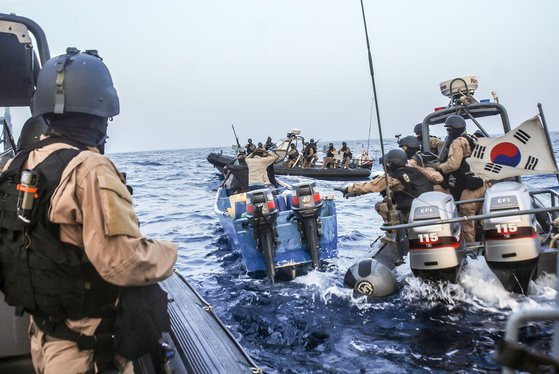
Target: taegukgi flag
521 151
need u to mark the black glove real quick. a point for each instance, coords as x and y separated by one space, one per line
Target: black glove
345 192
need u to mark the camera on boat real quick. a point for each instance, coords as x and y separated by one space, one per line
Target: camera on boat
512 245
435 250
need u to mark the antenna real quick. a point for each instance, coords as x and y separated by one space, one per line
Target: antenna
392 215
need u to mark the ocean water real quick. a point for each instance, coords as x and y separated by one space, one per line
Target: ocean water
313 324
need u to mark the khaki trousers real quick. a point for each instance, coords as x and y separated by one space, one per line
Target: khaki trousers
470 209
55 356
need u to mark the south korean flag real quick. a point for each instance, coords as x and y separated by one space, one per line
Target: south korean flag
521 151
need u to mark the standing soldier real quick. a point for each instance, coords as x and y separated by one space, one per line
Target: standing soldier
309 154
329 161
86 245
269 144
292 155
250 147
346 154
453 163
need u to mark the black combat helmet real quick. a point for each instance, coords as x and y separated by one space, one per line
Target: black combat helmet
409 141
412 145
418 129
75 93
331 145
396 158
250 141
75 82
292 145
455 122
259 144
311 141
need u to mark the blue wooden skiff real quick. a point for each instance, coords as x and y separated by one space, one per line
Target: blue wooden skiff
290 249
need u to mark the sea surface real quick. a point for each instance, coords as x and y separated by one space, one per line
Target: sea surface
313 324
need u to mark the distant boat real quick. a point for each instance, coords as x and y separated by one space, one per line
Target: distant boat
359 168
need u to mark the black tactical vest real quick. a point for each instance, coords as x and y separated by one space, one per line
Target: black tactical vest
414 184
39 274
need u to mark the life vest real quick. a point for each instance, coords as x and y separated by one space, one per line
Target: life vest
414 184
293 155
346 151
39 274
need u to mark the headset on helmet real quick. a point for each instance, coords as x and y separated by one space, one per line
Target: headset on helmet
410 141
455 122
396 157
76 82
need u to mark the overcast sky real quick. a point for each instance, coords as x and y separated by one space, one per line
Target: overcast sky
186 70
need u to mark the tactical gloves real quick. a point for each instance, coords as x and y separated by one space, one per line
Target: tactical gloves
345 192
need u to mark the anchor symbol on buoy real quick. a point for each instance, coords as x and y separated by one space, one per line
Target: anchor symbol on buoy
365 287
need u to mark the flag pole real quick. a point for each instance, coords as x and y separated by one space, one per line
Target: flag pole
391 210
548 138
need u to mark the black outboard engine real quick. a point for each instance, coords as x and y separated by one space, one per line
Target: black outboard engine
262 214
306 204
436 250
512 245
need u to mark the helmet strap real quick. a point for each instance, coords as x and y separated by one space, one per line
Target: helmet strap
61 63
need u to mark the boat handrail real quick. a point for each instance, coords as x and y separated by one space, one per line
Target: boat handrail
518 318
553 195
477 217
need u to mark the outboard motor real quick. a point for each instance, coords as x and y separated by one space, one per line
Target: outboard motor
306 205
435 250
512 245
262 215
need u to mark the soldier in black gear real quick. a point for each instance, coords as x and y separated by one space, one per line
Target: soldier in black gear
269 144
346 154
410 145
312 157
292 155
414 183
250 147
329 160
